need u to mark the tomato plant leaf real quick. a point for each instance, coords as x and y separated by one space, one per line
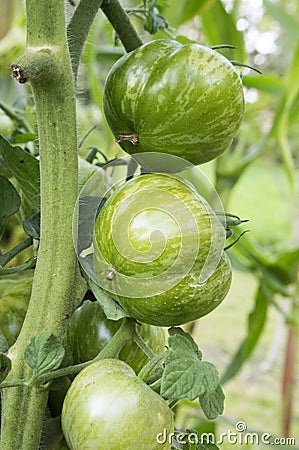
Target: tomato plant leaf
25 169
177 330
23 138
9 201
256 322
185 375
9 198
44 353
5 366
223 30
212 403
32 226
3 343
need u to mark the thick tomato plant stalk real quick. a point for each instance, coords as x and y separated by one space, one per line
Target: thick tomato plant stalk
47 65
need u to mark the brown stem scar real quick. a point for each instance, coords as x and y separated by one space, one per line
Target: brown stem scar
18 74
133 138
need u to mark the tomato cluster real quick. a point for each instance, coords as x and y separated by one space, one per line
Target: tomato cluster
158 245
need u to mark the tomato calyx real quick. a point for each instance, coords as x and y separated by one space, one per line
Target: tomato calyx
132 138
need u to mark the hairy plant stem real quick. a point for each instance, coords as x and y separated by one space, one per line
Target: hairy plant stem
46 64
81 22
78 28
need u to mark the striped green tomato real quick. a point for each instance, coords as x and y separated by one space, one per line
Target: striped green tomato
158 249
185 100
107 407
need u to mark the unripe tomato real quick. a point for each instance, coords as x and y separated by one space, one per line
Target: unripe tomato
159 251
186 100
90 331
107 407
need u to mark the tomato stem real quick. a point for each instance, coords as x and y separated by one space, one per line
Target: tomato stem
124 334
144 347
8 256
79 27
122 25
149 367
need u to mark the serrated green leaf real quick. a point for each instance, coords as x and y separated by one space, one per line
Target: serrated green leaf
173 331
5 366
223 30
185 375
212 403
3 343
256 322
25 169
44 353
32 226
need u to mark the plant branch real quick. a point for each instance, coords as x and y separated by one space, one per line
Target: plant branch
123 335
79 27
144 347
121 23
16 269
8 256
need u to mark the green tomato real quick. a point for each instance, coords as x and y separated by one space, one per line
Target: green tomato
90 331
14 299
186 100
159 251
108 407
